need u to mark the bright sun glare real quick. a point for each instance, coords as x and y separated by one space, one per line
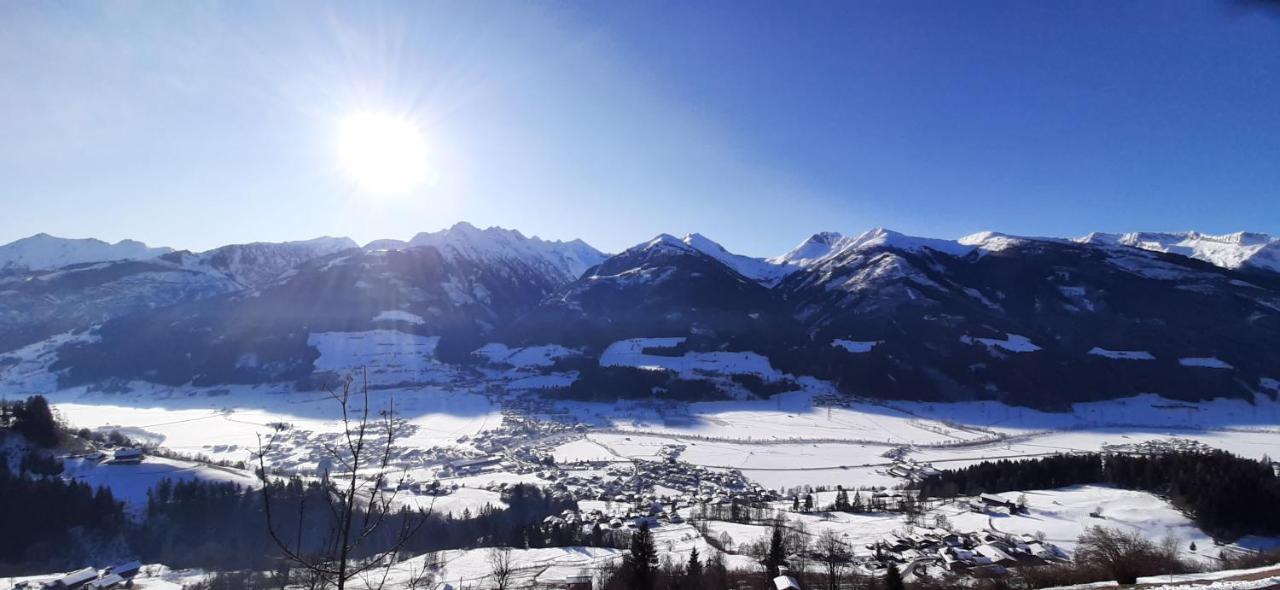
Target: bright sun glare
382 153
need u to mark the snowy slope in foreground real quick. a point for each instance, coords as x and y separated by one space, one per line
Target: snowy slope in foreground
46 252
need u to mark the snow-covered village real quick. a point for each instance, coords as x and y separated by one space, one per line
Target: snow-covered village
501 295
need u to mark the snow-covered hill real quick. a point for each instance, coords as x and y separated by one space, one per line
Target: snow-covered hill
1238 250
45 252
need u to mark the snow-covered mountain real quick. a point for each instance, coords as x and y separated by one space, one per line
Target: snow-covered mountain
761 270
252 265
565 260
879 313
45 252
815 248
1238 250
824 246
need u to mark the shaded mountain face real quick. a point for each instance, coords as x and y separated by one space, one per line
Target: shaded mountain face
1034 321
1031 322
262 334
251 265
36 305
662 287
40 303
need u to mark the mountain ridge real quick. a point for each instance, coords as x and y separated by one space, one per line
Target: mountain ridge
988 315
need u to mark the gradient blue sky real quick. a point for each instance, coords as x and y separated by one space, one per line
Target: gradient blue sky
756 123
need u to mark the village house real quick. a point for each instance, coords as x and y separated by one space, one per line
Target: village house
76 579
127 456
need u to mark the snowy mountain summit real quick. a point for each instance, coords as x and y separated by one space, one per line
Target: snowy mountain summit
1236 250
566 260
45 252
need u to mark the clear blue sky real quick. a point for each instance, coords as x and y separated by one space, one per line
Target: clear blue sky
756 123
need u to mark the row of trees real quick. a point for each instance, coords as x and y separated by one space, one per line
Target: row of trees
32 419
47 520
1228 496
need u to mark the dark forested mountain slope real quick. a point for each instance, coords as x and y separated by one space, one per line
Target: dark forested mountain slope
1043 322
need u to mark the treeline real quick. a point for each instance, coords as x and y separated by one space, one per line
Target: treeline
33 419
52 524
1226 495
221 525
47 520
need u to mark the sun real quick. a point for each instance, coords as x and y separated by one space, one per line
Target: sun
382 153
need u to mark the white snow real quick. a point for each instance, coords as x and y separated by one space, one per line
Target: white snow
1063 514
150 577
989 241
1011 343
544 355
567 260
46 252
129 483
470 568
396 315
1227 251
757 269
550 381
690 365
855 346
1128 355
817 247
1205 361
258 263
391 357
881 237
225 423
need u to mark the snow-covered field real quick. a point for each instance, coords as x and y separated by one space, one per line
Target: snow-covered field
787 441
130 483
390 356
690 365
806 437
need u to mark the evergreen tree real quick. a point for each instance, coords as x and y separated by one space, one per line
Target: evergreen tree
842 500
893 579
642 562
777 556
693 571
715 575
34 420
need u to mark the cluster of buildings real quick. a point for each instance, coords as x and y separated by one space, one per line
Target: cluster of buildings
953 551
910 470
117 576
1160 447
996 551
118 456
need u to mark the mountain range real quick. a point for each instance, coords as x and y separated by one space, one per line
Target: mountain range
1034 321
